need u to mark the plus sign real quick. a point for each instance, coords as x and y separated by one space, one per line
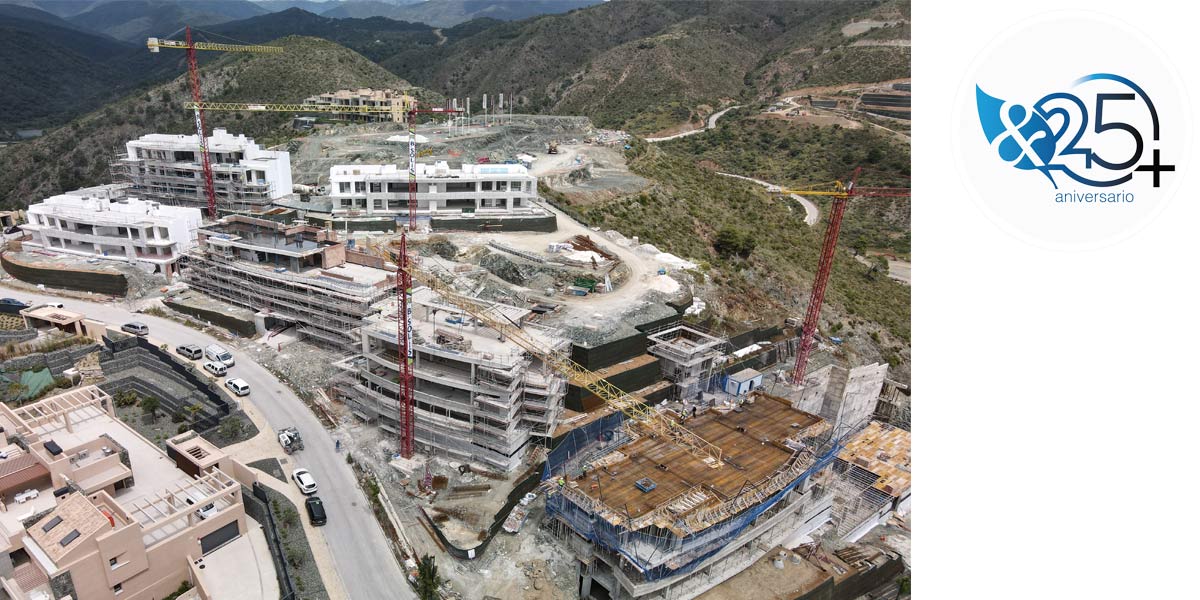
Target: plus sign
1156 168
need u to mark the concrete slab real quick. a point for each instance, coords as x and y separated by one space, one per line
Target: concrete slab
242 569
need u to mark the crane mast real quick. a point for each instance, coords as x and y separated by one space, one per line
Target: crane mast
404 293
197 104
841 193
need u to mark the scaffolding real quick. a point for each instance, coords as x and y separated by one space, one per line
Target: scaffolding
181 183
682 532
326 308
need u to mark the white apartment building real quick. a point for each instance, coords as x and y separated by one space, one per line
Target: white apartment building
168 169
102 222
483 189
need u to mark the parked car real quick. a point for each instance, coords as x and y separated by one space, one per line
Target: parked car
12 229
189 351
216 368
54 304
205 511
316 510
136 328
304 480
238 386
218 354
12 302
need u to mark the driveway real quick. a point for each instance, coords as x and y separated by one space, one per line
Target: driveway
364 560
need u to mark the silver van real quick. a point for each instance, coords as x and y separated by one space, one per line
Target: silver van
216 368
216 353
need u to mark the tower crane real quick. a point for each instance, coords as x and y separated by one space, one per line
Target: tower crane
154 44
408 419
841 193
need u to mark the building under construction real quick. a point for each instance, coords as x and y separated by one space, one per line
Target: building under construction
647 519
479 399
167 169
362 97
291 275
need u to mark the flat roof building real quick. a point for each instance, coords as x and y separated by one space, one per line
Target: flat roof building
364 97
91 509
483 190
168 169
103 222
290 274
479 399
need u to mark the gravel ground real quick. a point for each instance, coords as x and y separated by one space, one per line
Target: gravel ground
269 466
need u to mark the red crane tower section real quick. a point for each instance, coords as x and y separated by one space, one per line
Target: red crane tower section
194 75
404 294
828 248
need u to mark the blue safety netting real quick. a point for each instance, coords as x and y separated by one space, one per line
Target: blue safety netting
647 550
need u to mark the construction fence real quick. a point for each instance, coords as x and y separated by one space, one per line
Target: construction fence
652 553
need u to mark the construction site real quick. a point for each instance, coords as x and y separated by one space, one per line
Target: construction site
531 393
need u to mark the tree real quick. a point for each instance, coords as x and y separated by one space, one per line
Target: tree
428 579
903 586
733 242
149 405
231 427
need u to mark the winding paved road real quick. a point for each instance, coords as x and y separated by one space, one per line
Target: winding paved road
812 214
364 561
712 122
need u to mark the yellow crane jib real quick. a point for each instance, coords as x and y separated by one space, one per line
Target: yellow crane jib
397 110
155 43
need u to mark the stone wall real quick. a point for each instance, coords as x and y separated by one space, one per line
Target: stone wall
57 361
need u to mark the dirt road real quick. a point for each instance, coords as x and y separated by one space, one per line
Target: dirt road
712 122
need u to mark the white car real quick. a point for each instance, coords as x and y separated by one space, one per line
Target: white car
304 480
238 386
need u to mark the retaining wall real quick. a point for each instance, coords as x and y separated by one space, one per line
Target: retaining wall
581 400
16 335
514 497
112 284
133 363
57 361
546 224
240 326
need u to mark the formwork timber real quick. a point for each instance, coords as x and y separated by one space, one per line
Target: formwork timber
752 447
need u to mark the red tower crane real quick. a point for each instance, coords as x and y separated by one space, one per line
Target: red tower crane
404 292
154 44
841 193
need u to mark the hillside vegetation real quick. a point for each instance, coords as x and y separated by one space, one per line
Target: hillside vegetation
645 65
757 251
135 20
78 154
801 156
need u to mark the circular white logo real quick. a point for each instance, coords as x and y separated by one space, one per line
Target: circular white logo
1071 129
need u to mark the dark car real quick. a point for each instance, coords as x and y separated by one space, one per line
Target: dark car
12 302
316 510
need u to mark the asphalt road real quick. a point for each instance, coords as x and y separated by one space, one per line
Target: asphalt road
360 551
